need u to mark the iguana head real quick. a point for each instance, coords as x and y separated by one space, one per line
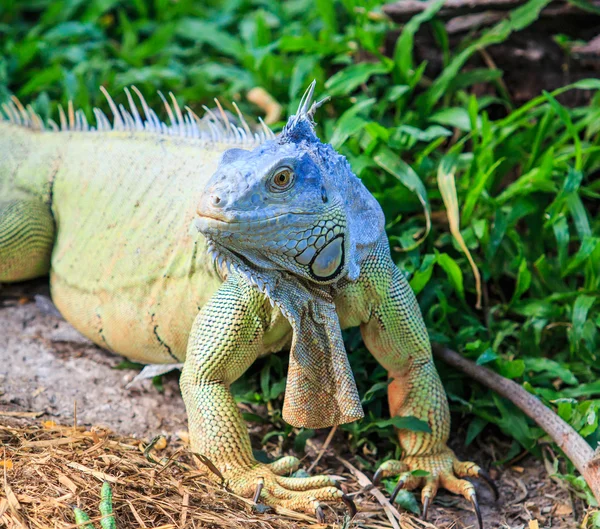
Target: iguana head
292 204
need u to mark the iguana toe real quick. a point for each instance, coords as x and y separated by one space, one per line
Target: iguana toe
466 469
302 484
443 470
267 488
285 465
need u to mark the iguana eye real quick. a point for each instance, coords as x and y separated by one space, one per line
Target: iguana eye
282 179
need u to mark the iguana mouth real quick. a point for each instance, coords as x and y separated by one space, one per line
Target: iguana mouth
218 226
207 222
221 220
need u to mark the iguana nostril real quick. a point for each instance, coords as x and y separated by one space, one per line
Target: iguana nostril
215 200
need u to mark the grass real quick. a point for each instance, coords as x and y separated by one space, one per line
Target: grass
487 205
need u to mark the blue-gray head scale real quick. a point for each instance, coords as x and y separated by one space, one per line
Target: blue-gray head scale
292 204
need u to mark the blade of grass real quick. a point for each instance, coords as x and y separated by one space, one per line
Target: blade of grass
388 160
447 187
403 52
518 19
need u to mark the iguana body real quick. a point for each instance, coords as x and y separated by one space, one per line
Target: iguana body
126 270
109 214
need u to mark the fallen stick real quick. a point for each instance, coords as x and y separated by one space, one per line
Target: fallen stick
570 442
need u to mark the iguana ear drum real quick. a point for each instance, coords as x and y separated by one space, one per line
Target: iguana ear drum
329 261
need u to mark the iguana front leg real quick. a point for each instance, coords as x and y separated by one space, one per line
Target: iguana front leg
226 338
396 335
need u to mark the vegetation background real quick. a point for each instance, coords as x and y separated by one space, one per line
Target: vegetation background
487 204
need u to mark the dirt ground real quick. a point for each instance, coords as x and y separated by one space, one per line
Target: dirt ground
48 372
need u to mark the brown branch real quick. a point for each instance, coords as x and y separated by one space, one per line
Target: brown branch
571 443
403 10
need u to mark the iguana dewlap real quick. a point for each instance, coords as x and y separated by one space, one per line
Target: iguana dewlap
292 249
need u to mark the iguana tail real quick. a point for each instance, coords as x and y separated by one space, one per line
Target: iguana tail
569 441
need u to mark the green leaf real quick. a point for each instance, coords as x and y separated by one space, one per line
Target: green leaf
579 214
576 262
476 426
497 234
326 12
476 190
72 29
489 355
535 181
561 233
347 80
585 84
564 116
453 272
511 368
453 117
261 456
349 122
514 423
304 65
406 500
128 364
539 308
403 50
203 32
41 79
583 390
552 367
581 308
431 133
422 276
405 423
379 387
475 76
253 417
397 91
393 164
300 440
523 281
518 19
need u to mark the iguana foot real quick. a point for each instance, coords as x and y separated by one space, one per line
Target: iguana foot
444 469
267 485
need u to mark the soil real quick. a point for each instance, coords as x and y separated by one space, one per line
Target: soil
531 60
48 372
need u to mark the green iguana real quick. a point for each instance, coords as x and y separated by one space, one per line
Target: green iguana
291 250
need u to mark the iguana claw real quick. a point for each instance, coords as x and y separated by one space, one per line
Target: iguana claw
259 488
320 514
397 489
477 510
377 477
443 470
350 504
490 483
426 502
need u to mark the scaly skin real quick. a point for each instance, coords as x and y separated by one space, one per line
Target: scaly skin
114 211
300 253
